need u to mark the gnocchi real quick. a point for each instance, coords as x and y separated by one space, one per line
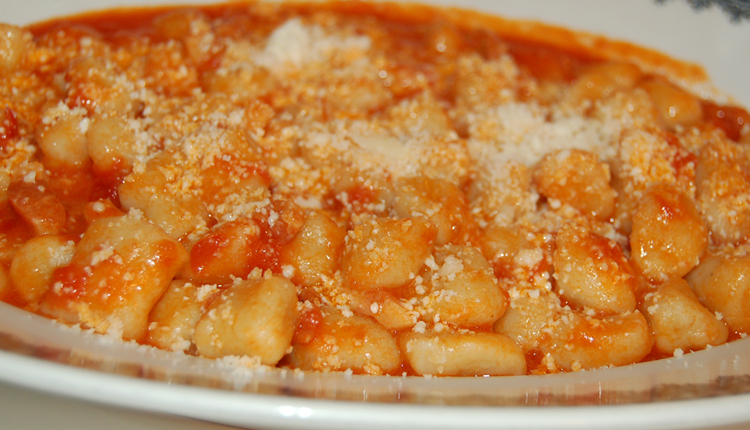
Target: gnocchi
330 188
253 318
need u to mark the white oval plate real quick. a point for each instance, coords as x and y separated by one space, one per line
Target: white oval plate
707 388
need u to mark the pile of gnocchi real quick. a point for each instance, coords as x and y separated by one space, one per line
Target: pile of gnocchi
378 190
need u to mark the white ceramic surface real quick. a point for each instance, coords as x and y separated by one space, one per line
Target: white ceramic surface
117 374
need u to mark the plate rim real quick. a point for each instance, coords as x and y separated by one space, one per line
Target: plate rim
268 411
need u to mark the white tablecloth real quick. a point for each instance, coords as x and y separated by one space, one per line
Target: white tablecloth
23 409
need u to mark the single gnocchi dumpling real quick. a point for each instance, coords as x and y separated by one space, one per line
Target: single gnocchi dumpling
386 253
721 283
14 42
253 318
669 236
35 263
580 341
120 269
111 142
229 250
461 289
528 316
676 107
459 354
392 312
604 80
153 192
722 183
441 202
64 142
347 341
315 250
577 178
679 320
592 272
172 321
